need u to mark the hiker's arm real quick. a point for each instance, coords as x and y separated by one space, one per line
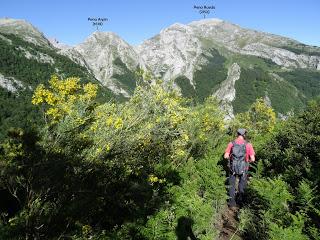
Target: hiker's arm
251 153
227 151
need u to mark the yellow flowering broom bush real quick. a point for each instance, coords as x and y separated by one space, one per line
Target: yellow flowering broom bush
157 124
143 142
260 119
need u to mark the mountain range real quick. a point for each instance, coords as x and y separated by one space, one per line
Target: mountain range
202 58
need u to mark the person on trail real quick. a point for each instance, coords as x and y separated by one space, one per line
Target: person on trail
239 153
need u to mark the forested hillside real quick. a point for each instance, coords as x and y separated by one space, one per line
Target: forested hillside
152 168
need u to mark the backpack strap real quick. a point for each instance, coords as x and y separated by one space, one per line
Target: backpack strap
234 142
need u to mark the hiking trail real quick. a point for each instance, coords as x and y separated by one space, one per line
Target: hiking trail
227 224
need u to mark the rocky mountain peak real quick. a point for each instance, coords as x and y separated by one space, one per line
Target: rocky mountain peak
25 30
207 22
106 45
107 55
105 39
176 27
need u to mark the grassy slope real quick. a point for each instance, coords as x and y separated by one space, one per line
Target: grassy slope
291 93
127 79
206 79
303 49
306 81
187 89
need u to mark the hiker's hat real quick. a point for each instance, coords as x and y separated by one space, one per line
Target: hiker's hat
241 131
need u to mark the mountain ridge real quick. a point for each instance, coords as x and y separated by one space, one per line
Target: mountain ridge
199 57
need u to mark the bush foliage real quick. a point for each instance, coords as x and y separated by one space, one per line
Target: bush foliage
150 168
113 168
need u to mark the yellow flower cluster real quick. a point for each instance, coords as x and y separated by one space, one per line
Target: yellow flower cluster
259 119
185 137
65 87
42 95
206 122
94 127
62 94
176 118
154 179
54 113
90 91
118 123
86 230
107 147
109 121
263 115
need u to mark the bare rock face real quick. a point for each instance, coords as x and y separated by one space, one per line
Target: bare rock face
10 83
40 57
281 57
227 92
75 56
174 52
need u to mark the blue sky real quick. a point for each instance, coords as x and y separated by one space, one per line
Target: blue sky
138 20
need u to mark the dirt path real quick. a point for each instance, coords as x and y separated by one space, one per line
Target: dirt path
227 224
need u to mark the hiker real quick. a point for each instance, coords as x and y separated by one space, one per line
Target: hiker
239 153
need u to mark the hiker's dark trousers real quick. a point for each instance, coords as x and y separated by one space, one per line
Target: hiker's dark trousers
241 186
